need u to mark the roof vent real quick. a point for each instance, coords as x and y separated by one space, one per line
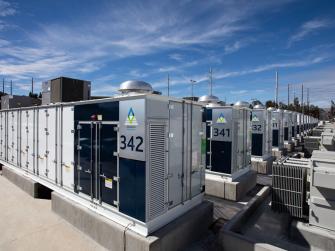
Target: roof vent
135 86
241 104
259 106
209 99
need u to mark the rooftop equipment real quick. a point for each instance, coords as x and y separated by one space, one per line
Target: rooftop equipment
135 158
65 89
16 101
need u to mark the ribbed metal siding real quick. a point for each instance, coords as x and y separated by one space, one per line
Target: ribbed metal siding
289 189
157 160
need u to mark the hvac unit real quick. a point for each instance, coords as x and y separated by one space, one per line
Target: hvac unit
289 187
261 133
277 117
228 144
137 158
287 126
64 89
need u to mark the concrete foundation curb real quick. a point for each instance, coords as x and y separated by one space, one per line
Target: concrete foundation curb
174 236
230 237
230 190
314 237
33 188
262 166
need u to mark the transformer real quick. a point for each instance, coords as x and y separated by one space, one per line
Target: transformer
228 145
137 158
261 133
277 117
288 123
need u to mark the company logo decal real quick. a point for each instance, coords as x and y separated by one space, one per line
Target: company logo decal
221 119
131 119
255 118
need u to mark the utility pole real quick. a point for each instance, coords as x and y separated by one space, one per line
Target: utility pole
276 99
308 99
168 80
32 85
210 81
3 85
11 87
302 98
288 95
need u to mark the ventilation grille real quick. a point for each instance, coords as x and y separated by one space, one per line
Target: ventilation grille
157 160
289 188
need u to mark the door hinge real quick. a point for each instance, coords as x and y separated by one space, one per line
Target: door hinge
116 178
168 176
116 154
79 127
116 203
79 147
171 106
79 168
116 128
79 188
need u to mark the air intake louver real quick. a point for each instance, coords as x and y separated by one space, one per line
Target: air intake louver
157 161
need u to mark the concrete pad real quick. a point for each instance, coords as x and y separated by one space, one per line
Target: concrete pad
29 224
221 187
33 188
262 166
174 236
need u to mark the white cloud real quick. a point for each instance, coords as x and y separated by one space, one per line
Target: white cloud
309 28
6 9
126 29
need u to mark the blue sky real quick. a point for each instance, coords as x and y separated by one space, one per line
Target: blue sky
109 42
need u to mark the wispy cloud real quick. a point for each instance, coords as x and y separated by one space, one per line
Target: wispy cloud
309 28
6 9
127 29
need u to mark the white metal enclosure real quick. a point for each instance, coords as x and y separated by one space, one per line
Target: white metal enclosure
277 117
132 158
288 123
261 133
228 145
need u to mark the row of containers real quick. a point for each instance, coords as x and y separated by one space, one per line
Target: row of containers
138 158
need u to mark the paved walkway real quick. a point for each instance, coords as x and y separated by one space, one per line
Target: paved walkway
29 224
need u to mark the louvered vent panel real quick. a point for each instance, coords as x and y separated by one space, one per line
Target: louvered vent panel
157 160
289 188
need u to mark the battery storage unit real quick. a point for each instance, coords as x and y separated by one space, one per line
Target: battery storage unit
288 123
261 133
137 158
294 125
228 145
277 117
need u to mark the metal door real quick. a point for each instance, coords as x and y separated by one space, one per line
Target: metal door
97 162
